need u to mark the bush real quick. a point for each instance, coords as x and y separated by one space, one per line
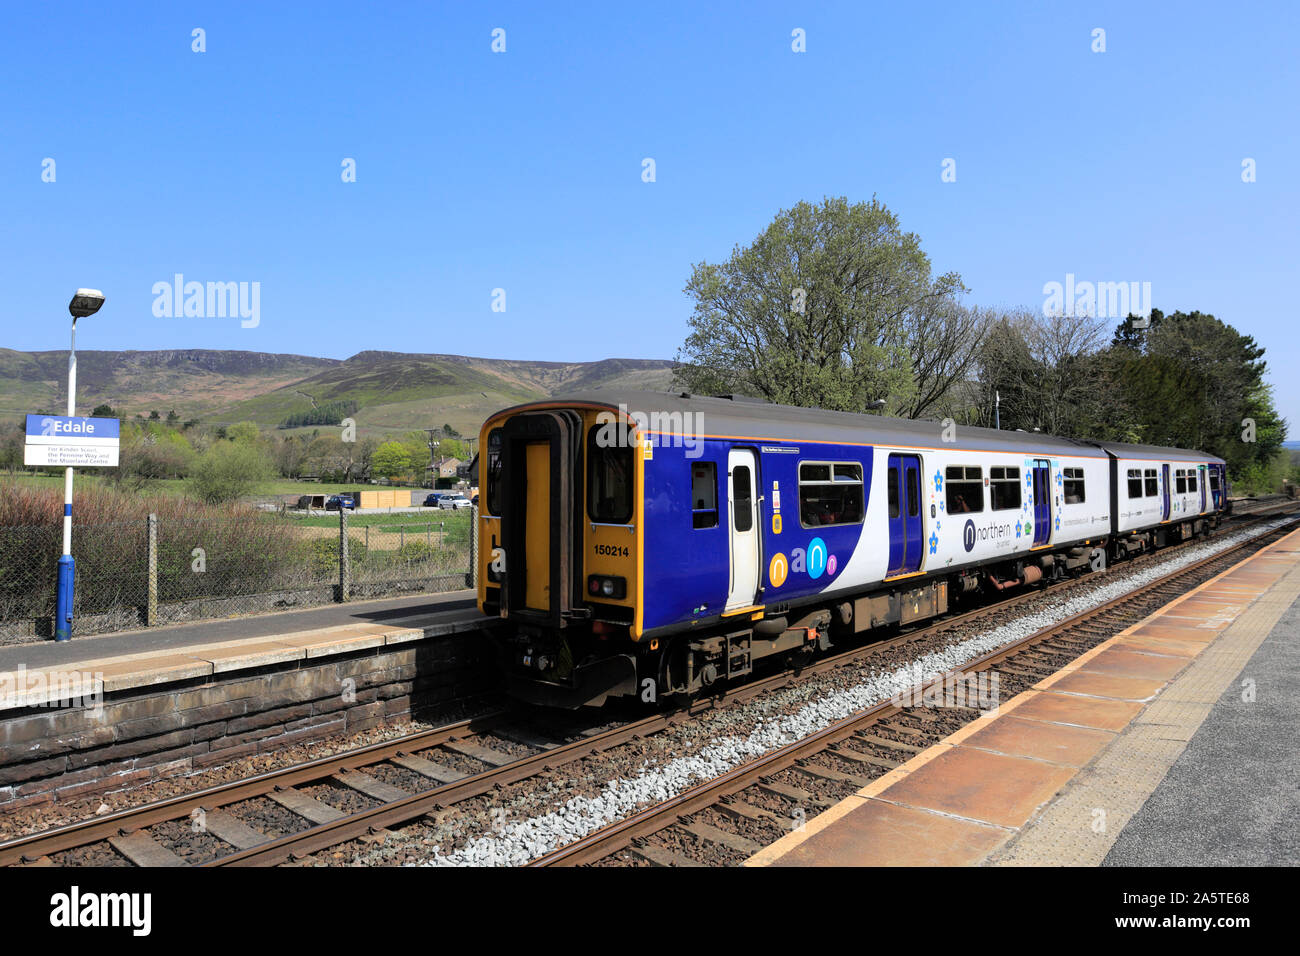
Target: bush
228 471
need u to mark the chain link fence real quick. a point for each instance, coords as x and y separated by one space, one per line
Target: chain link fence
145 573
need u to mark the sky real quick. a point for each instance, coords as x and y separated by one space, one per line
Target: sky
524 171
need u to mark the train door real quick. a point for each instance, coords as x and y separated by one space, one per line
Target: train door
1042 501
1216 487
540 455
1164 491
906 527
1203 481
742 521
537 525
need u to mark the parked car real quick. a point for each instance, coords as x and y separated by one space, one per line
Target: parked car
431 500
453 502
344 500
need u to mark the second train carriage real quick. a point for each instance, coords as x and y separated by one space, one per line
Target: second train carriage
642 544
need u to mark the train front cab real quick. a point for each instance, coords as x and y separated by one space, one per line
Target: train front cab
559 550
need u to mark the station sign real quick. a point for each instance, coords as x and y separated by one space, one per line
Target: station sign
72 442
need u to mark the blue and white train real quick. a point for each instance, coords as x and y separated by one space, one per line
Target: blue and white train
642 544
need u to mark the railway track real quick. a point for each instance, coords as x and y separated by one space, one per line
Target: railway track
731 817
296 811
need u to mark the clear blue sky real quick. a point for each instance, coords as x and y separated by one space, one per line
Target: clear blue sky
522 170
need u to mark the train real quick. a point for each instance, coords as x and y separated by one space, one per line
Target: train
657 546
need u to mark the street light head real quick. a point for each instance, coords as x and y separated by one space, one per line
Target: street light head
85 302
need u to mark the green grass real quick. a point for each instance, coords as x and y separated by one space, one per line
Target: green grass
426 517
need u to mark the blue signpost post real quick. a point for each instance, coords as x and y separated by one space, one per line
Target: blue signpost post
71 441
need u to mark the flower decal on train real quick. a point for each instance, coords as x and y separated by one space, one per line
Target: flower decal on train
1019 527
938 481
934 542
1058 522
940 504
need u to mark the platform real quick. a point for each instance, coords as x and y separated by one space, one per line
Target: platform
162 654
1172 743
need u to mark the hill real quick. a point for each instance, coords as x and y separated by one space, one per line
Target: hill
396 391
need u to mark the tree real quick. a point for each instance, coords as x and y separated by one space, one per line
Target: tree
244 433
103 411
227 471
154 416
172 417
392 459
831 306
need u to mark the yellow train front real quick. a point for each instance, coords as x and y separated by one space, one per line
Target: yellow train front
559 550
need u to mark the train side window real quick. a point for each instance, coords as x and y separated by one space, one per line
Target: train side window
1074 491
1191 480
892 484
965 487
609 480
494 472
1152 486
1135 483
830 492
1180 481
742 502
1214 482
704 494
913 492
1004 488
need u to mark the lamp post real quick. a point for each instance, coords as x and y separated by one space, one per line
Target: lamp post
84 302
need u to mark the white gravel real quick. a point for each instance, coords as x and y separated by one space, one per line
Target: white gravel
516 842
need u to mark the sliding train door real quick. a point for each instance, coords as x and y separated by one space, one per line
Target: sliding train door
1042 501
906 526
742 522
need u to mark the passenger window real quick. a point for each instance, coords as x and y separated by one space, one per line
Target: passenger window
892 485
1180 481
1191 481
965 489
742 502
704 495
831 493
609 481
1004 488
1135 483
1152 487
1074 494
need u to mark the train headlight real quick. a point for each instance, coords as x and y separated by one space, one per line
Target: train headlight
600 585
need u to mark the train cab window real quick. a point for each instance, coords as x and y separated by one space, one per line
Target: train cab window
830 492
1074 493
704 494
965 486
892 483
1135 482
1214 482
1152 485
494 472
742 502
1180 481
609 481
1004 488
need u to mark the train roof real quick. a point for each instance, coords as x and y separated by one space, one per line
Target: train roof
758 420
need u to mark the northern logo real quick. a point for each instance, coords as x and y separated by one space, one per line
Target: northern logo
968 535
